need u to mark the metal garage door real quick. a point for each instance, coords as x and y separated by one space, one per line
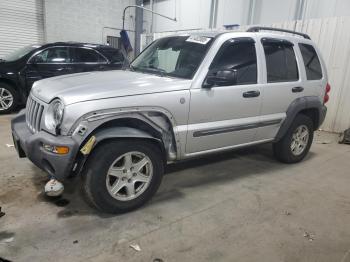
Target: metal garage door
21 23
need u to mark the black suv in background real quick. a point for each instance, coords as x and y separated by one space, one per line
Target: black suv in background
19 70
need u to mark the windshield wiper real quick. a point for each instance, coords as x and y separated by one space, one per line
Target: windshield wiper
162 72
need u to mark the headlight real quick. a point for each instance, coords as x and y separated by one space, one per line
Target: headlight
54 115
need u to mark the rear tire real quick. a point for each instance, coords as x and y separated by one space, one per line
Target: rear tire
296 143
8 98
115 184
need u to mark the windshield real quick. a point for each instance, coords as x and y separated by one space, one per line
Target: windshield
178 56
19 53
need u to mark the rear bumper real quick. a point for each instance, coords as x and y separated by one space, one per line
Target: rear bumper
31 146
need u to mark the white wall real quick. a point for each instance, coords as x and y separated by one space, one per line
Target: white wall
84 20
330 8
270 11
21 24
190 14
193 14
232 12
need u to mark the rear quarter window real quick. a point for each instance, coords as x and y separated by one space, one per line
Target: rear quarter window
311 61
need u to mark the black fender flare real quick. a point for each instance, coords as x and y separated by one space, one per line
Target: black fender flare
122 132
298 105
98 137
113 133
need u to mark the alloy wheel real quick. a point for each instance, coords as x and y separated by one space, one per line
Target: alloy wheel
6 99
129 176
300 139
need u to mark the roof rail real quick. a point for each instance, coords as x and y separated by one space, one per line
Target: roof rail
259 28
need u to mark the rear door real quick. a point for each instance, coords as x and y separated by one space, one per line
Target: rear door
87 59
50 62
282 84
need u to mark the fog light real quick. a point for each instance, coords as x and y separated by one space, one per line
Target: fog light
61 150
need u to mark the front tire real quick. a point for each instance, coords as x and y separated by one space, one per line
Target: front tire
8 98
121 176
296 143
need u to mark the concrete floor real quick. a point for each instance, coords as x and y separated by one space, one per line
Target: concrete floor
237 206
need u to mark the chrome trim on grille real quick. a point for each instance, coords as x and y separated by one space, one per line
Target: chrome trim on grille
34 113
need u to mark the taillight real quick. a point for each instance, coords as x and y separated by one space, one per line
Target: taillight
326 95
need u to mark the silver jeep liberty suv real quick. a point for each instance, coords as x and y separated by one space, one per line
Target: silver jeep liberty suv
184 96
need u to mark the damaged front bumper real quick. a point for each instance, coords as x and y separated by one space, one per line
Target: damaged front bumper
34 146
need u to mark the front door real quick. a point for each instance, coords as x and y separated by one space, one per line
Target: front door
227 115
53 61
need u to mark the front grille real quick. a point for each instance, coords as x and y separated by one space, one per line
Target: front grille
34 113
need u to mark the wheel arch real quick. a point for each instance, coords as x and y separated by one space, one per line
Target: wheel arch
310 106
155 127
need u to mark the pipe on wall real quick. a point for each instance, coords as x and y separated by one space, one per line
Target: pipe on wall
251 12
213 14
152 8
138 26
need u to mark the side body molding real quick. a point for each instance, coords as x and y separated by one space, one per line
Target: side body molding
297 106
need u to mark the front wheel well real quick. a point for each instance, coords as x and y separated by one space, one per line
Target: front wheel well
132 123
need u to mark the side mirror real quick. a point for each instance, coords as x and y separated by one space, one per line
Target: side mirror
220 77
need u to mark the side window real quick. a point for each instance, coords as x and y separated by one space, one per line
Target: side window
311 62
281 64
240 56
114 55
53 55
85 55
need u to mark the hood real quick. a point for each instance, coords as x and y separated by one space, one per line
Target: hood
100 85
8 67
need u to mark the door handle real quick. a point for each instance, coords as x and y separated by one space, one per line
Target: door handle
297 89
250 94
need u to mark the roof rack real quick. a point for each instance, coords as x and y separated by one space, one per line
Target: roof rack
259 28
